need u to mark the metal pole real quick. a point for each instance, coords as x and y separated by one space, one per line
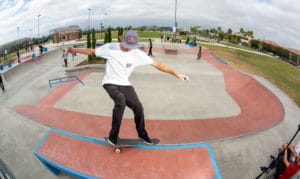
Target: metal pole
38 25
89 18
105 21
18 29
18 53
175 15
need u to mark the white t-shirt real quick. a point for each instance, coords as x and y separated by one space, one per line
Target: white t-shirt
120 64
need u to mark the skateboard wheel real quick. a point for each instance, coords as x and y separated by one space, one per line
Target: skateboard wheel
117 150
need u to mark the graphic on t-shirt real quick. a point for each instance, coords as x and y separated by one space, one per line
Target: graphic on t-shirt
128 65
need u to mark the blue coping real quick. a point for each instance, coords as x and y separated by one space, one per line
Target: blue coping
220 60
55 168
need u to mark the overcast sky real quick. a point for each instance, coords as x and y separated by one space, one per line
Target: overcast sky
276 20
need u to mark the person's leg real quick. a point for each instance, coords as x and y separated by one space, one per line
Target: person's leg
133 102
65 60
2 86
150 51
119 106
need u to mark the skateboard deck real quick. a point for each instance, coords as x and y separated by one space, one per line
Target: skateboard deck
130 143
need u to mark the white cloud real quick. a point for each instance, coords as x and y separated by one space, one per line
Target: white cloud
273 19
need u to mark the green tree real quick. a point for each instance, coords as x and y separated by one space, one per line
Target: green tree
109 34
259 46
221 35
250 33
107 37
88 44
94 40
88 39
254 44
120 33
229 31
242 30
195 29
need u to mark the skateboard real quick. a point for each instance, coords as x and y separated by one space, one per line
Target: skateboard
130 143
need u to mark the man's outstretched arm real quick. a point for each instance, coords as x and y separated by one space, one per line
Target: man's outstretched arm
167 69
86 51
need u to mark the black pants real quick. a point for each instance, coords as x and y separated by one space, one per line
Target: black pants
125 96
280 166
1 84
66 62
199 53
150 52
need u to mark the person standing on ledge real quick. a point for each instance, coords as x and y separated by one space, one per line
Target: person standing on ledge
122 59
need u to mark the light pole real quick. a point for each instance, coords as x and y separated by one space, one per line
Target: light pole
39 26
18 53
175 15
18 32
175 24
101 29
89 9
105 20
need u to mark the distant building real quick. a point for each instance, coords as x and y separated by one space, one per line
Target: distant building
274 44
67 33
244 38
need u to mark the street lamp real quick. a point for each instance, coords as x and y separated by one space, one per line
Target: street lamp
101 29
18 30
175 15
38 25
89 18
18 53
105 20
175 24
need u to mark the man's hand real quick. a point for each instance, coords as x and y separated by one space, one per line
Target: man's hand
183 77
166 69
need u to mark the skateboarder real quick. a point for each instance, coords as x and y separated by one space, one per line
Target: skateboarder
199 53
122 58
65 57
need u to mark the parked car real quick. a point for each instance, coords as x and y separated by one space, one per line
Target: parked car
293 63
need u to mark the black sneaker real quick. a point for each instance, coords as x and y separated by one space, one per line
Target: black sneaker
272 157
112 142
146 140
263 168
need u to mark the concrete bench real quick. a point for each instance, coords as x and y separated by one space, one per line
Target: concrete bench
8 64
171 51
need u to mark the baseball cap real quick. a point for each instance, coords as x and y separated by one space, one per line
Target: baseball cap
131 39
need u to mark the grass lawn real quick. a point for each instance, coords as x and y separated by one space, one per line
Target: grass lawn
283 75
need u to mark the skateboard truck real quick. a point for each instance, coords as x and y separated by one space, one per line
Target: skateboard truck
130 143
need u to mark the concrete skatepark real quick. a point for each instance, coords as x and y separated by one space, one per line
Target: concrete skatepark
241 119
